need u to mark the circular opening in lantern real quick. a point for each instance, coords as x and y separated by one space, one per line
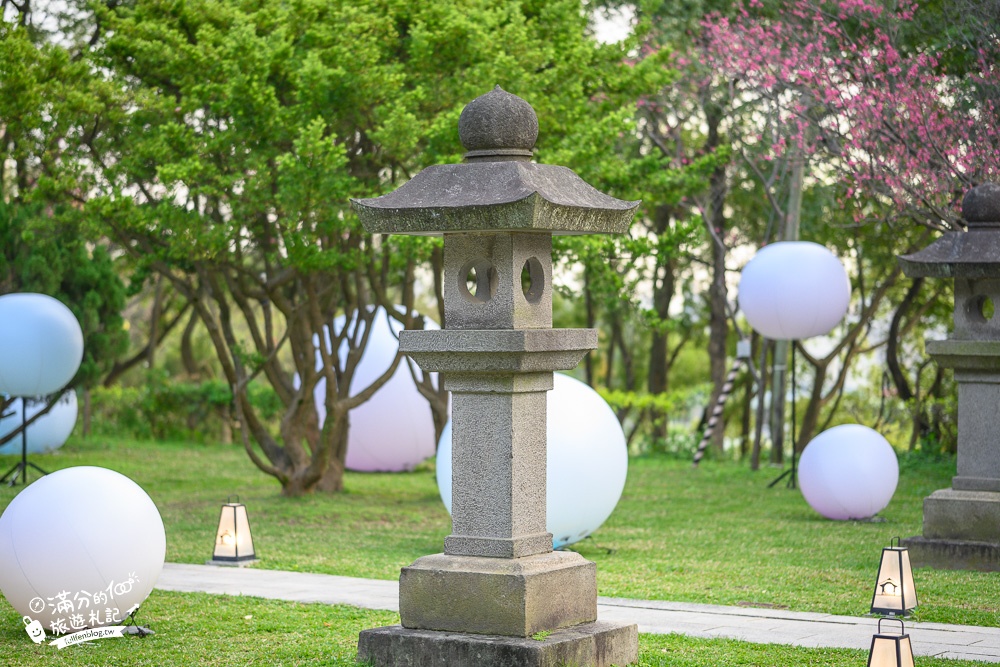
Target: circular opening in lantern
478 281
532 280
980 308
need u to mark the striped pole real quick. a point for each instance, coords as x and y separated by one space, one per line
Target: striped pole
716 416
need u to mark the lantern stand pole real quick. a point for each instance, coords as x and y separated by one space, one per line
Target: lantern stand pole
21 467
790 473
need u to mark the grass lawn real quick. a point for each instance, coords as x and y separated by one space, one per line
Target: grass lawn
715 535
222 631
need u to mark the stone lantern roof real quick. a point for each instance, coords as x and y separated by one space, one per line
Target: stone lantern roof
971 254
497 188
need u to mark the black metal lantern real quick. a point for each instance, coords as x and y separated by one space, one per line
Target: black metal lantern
233 541
890 650
894 592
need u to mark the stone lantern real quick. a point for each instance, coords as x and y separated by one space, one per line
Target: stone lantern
962 523
498 581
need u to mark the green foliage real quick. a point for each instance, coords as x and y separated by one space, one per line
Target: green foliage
170 409
43 251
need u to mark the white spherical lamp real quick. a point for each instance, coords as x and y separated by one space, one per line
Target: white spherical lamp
586 461
848 472
394 429
41 344
46 434
794 290
80 548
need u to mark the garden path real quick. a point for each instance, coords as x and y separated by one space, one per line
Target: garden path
764 626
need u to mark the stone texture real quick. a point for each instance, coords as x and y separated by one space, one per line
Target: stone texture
498 124
598 644
971 254
981 205
498 262
977 372
953 514
498 596
978 355
945 554
495 197
498 475
498 351
971 297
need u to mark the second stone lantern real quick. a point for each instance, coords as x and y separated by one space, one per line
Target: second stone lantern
498 581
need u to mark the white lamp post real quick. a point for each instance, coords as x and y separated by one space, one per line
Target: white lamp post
41 347
794 290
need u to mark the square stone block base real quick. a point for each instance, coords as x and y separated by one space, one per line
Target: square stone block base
952 514
597 644
498 596
945 554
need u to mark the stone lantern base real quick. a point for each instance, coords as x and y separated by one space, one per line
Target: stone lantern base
960 531
597 644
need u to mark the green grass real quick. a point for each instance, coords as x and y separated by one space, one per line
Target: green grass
716 535
221 631
199 629
212 630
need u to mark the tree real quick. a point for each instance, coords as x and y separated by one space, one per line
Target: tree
875 114
907 136
42 248
226 140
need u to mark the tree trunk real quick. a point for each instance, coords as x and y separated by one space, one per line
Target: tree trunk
718 325
659 358
187 348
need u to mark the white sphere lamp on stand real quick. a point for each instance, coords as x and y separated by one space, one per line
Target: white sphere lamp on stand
792 290
41 347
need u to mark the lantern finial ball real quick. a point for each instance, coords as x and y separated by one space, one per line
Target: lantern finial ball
498 124
981 205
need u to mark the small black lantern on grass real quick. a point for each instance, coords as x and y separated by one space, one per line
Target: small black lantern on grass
894 592
890 650
233 540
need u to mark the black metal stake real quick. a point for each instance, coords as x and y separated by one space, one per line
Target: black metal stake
21 467
790 473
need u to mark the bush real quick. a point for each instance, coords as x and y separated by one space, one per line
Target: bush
167 409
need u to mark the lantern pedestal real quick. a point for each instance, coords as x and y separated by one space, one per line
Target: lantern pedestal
498 596
960 531
597 643
962 524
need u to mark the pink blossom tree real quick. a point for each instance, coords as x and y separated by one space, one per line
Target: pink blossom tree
906 136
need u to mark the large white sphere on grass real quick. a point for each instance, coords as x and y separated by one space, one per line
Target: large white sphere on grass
48 433
848 472
393 430
794 290
81 547
586 461
41 344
